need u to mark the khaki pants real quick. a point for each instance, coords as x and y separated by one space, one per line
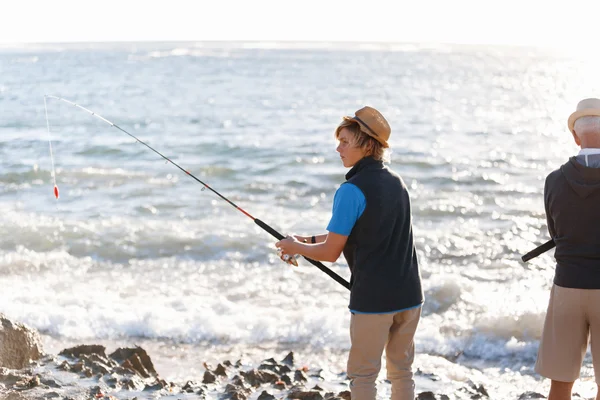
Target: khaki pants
369 335
573 316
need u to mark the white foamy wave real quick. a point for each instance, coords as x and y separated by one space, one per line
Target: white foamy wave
183 301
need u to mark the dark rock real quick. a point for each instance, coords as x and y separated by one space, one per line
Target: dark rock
317 374
134 364
282 369
190 387
239 396
19 344
64 366
257 377
426 396
428 375
112 381
78 351
531 395
10 377
220 370
133 383
475 391
156 386
310 395
209 377
286 379
344 395
300 376
265 396
138 358
50 382
227 363
78 367
289 359
280 385
318 388
34 382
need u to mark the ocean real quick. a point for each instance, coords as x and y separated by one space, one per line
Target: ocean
134 251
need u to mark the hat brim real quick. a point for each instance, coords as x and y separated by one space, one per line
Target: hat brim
366 131
586 112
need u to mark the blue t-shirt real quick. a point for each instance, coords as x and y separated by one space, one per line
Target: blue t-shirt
348 205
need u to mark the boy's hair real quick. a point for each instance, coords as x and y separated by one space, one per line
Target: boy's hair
359 139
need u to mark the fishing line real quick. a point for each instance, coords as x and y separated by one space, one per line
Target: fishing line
257 221
51 155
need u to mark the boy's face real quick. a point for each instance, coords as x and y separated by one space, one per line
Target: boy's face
349 154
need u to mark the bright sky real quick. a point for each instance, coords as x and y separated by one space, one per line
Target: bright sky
549 23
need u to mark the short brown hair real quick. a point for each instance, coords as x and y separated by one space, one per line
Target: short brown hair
359 139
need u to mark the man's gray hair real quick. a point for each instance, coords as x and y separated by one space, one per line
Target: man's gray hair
587 125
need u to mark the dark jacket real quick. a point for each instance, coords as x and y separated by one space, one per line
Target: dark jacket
572 201
380 250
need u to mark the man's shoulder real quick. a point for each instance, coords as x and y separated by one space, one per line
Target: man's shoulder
557 177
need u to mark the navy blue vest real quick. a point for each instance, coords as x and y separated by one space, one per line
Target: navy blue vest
380 250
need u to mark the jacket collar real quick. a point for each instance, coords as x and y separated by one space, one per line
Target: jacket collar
364 163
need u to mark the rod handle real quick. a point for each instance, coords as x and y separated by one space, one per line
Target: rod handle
539 250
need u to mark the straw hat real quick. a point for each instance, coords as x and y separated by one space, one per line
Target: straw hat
372 123
585 108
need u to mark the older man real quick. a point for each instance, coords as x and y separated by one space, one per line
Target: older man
572 200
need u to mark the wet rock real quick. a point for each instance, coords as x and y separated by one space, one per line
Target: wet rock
317 374
10 377
227 363
19 344
64 366
344 395
289 359
302 395
50 382
191 387
78 351
236 389
112 381
280 385
209 377
286 379
531 395
426 396
475 391
428 375
156 386
239 396
51 395
265 396
28 383
317 388
133 383
220 370
300 376
258 377
135 359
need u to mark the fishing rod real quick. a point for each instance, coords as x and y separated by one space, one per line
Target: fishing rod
539 250
257 221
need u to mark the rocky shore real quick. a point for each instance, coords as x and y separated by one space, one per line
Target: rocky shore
89 372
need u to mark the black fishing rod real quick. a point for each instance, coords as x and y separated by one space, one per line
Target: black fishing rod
539 250
257 221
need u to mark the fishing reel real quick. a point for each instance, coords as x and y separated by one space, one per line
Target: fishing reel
287 258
